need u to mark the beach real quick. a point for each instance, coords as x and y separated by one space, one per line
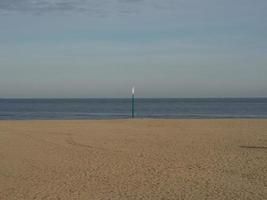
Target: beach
133 159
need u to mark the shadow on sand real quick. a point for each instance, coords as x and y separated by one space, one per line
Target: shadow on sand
254 147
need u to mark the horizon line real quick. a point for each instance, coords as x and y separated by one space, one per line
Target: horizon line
7 98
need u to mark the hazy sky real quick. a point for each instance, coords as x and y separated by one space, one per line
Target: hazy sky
100 48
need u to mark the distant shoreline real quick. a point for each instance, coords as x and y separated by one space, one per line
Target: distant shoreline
130 119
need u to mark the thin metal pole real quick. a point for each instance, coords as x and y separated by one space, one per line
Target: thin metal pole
133 106
133 102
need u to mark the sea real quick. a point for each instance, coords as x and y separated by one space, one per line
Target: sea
155 108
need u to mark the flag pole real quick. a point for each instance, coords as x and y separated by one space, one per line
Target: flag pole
133 102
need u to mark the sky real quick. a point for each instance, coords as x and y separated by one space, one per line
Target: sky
101 48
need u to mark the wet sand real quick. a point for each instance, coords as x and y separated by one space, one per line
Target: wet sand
133 159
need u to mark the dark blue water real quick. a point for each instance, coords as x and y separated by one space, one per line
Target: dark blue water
121 108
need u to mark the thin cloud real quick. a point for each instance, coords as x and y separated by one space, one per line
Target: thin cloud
89 6
40 5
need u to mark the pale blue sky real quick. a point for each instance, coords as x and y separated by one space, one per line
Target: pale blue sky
100 48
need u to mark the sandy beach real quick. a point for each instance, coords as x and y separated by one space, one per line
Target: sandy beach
133 159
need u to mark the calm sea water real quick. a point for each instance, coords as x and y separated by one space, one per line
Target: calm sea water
121 108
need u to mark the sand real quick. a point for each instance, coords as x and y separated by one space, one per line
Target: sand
133 159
